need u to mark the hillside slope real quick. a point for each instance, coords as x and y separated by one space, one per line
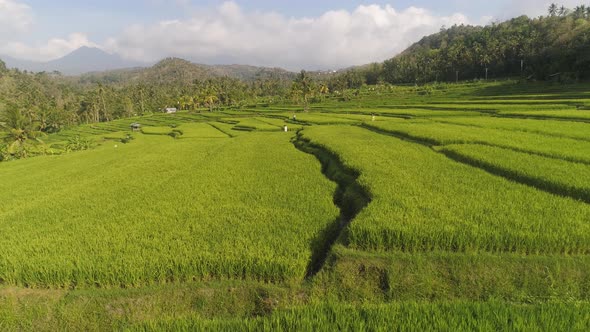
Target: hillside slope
541 48
183 71
554 47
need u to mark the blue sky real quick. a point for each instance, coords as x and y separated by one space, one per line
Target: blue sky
101 19
252 31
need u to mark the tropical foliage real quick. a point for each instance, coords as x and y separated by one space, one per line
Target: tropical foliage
556 46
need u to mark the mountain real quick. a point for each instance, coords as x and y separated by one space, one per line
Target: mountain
248 73
20 64
94 65
82 60
185 72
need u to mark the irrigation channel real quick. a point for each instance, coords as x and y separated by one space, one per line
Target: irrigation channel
350 197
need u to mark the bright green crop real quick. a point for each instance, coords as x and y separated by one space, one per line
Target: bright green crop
423 201
160 210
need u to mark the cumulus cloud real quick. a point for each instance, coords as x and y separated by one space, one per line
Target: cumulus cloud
15 17
334 39
52 49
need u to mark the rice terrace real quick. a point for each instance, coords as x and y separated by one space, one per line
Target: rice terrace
439 190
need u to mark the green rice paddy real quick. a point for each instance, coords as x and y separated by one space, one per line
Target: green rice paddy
461 208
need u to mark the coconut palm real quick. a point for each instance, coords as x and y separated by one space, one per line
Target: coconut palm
22 133
580 12
324 90
210 100
563 11
195 103
553 9
304 86
184 103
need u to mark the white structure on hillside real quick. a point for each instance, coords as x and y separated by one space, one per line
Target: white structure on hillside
170 110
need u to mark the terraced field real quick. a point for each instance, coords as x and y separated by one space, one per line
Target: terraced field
187 211
444 211
434 133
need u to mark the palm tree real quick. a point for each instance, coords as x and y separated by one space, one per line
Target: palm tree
553 9
195 103
304 85
296 93
210 100
128 108
100 93
580 12
140 97
324 90
184 103
563 11
21 132
89 108
43 118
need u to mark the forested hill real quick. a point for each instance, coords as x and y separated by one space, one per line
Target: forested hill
32 103
544 46
556 46
184 72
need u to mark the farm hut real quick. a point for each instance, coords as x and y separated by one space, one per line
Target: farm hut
170 110
135 126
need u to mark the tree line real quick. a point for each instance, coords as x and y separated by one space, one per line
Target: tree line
555 46
36 104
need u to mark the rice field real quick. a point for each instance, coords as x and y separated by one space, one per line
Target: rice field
186 211
558 176
434 133
422 201
567 129
462 316
376 277
580 115
458 207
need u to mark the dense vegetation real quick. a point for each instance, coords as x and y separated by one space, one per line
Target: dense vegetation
33 105
556 46
439 206
450 209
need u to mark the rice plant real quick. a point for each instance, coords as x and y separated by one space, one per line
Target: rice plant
422 201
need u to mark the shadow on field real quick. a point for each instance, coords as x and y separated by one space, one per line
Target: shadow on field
536 182
350 197
538 91
514 176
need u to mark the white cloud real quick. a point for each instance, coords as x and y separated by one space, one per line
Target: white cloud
230 34
52 49
334 39
15 17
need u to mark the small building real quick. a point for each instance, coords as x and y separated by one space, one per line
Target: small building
135 126
170 110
